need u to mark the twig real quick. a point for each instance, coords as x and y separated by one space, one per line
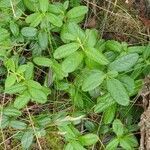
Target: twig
1 117
105 19
13 10
32 124
9 138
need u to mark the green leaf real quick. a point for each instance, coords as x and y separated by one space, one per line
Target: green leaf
77 12
21 69
14 28
29 73
118 92
76 20
72 32
128 83
70 130
29 32
62 86
10 80
129 140
31 5
90 125
112 45
59 73
95 93
112 74
43 39
27 139
2 71
17 88
88 139
22 100
18 125
11 112
43 119
38 95
93 80
137 71
65 35
68 147
91 64
34 19
44 5
109 114
66 5
54 8
125 145
72 62
10 65
146 53
4 34
91 37
33 84
46 90
78 100
65 50
124 63
76 145
74 3
96 55
110 55
118 127
136 49
103 103
4 122
40 132
113 144
43 61
55 20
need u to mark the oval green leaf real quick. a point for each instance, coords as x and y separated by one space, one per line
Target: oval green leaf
109 114
11 112
29 31
96 55
113 144
65 50
34 19
124 63
88 139
118 91
55 20
77 12
44 5
22 100
43 61
17 88
103 103
27 139
72 62
118 127
43 39
93 80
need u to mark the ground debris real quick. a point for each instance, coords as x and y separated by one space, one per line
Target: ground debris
145 117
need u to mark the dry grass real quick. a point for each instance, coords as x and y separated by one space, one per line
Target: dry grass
119 20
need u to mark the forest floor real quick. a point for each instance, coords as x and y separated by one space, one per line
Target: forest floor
121 20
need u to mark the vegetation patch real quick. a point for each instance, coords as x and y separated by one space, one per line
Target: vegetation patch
63 86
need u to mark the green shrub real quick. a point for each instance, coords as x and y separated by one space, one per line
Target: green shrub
69 74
